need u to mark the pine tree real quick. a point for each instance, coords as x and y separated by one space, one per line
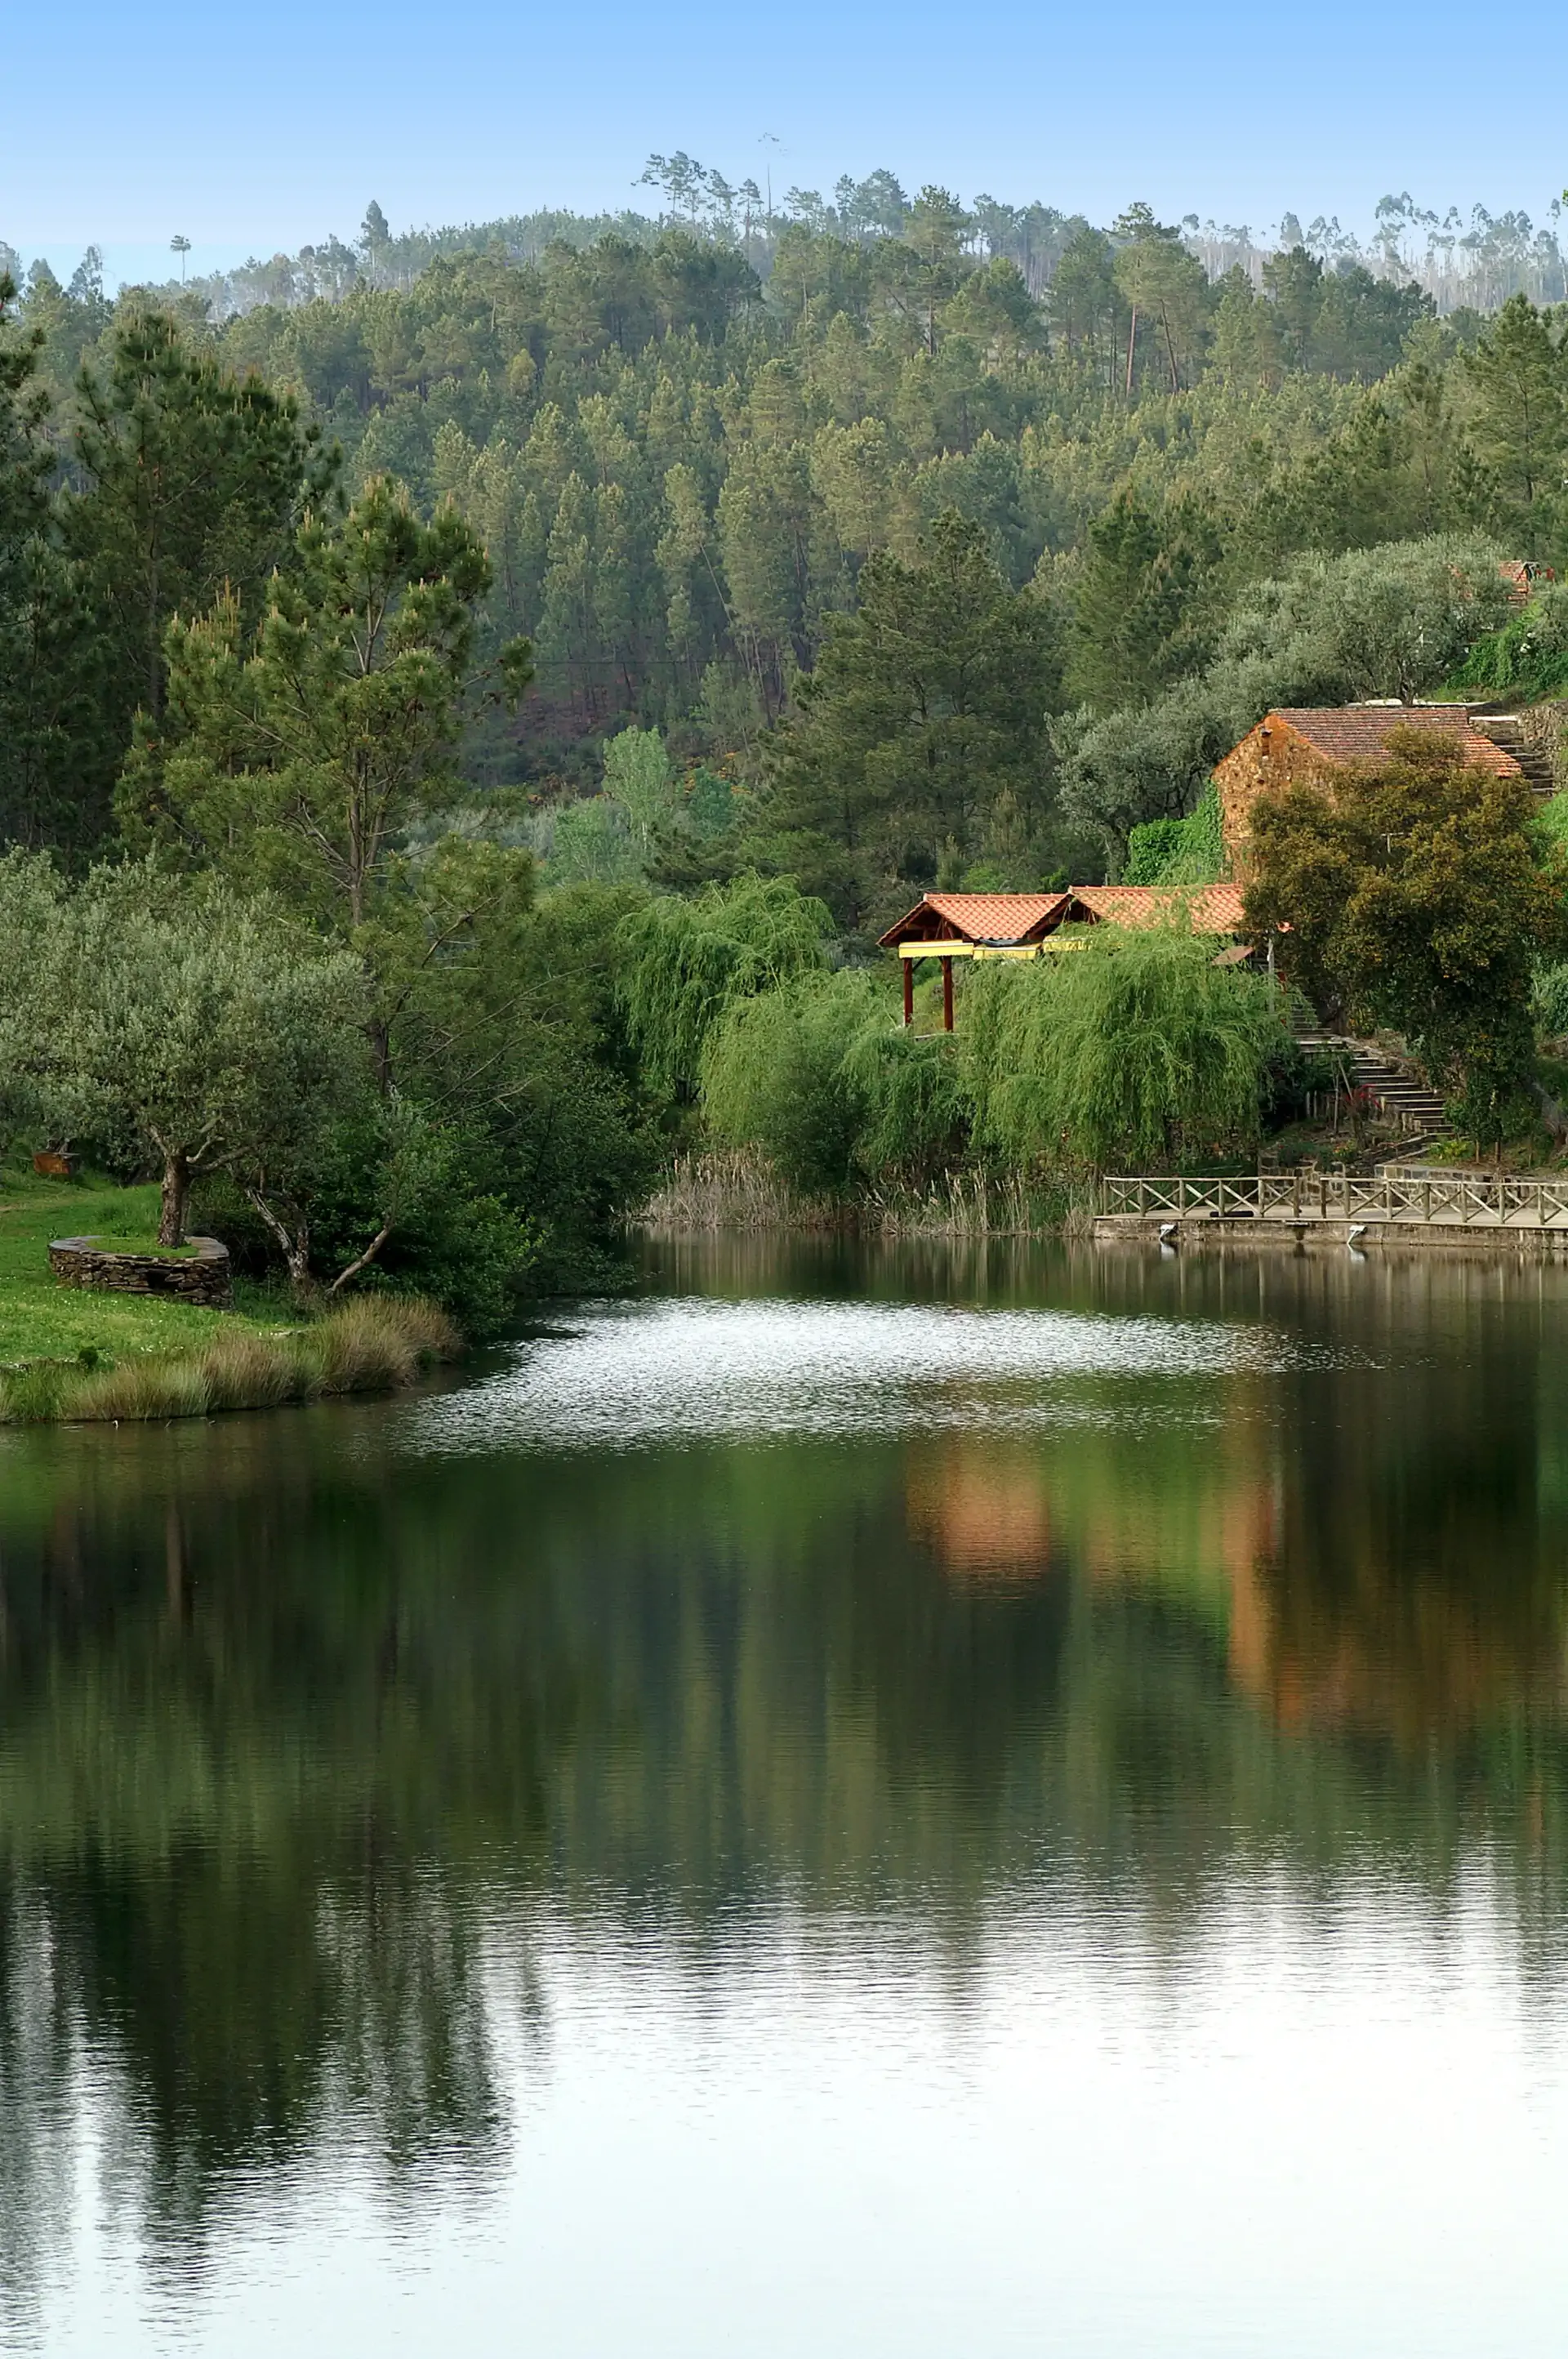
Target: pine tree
1519 380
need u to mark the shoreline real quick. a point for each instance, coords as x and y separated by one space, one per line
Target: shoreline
377 1344
1291 1237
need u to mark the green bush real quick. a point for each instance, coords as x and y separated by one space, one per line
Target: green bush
1174 851
1528 658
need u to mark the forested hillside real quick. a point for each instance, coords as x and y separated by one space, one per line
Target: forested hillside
682 472
687 449
599 645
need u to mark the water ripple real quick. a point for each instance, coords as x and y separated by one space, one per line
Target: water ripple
635 1375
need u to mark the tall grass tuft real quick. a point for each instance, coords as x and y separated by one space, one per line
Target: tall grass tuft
33 1395
246 1370
376 1344
980 1204
140 1391
433 1333
729 1188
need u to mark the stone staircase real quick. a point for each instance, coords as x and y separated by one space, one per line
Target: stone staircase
1506 730
1389 1083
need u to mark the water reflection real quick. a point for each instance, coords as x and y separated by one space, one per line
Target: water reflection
959 1601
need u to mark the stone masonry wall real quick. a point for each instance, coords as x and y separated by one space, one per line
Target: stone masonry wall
202 1276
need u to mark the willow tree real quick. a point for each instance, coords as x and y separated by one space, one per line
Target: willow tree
1132 1047
686 963
820 1076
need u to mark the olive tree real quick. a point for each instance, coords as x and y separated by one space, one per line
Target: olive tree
209 1030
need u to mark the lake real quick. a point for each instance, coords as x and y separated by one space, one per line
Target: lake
896 1801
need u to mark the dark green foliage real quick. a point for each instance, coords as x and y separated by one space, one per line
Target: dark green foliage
1140 603
1343 321
926 707
188 484
299 753
1519 380
1421 898
49 680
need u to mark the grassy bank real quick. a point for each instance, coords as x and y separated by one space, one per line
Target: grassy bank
67 1354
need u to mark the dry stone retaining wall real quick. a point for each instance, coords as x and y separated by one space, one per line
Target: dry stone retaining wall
200 1276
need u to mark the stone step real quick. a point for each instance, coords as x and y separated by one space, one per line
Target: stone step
1505 731
1391 1085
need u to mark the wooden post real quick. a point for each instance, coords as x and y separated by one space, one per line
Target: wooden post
908 966
946 994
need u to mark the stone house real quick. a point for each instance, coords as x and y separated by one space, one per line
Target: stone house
1312 746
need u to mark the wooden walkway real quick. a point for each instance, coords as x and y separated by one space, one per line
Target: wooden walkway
1446 1200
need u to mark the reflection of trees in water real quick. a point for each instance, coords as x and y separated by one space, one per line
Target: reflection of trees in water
36 2091
290 1731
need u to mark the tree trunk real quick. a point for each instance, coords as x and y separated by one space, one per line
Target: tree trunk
296 1245
174 1200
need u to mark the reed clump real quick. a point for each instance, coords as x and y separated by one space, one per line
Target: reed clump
980 1204
376 1344
733 1187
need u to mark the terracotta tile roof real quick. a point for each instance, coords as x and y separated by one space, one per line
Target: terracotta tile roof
978 917
1359 733
1216 908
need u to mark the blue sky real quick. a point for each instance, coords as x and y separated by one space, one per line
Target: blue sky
249 131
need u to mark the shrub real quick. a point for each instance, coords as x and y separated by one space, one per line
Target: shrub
366 1346
1188 851
247 1371
1151 848
1528 658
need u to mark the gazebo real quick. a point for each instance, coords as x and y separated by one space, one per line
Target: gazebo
949 926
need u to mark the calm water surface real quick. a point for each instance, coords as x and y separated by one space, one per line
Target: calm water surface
883 1802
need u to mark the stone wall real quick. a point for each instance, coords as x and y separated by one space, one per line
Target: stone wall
1267 758
200 1276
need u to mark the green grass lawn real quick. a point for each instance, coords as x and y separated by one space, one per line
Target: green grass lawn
41 1319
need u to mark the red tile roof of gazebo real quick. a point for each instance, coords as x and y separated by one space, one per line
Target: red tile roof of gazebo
999 918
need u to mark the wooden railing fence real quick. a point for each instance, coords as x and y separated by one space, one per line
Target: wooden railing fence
1460 1199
